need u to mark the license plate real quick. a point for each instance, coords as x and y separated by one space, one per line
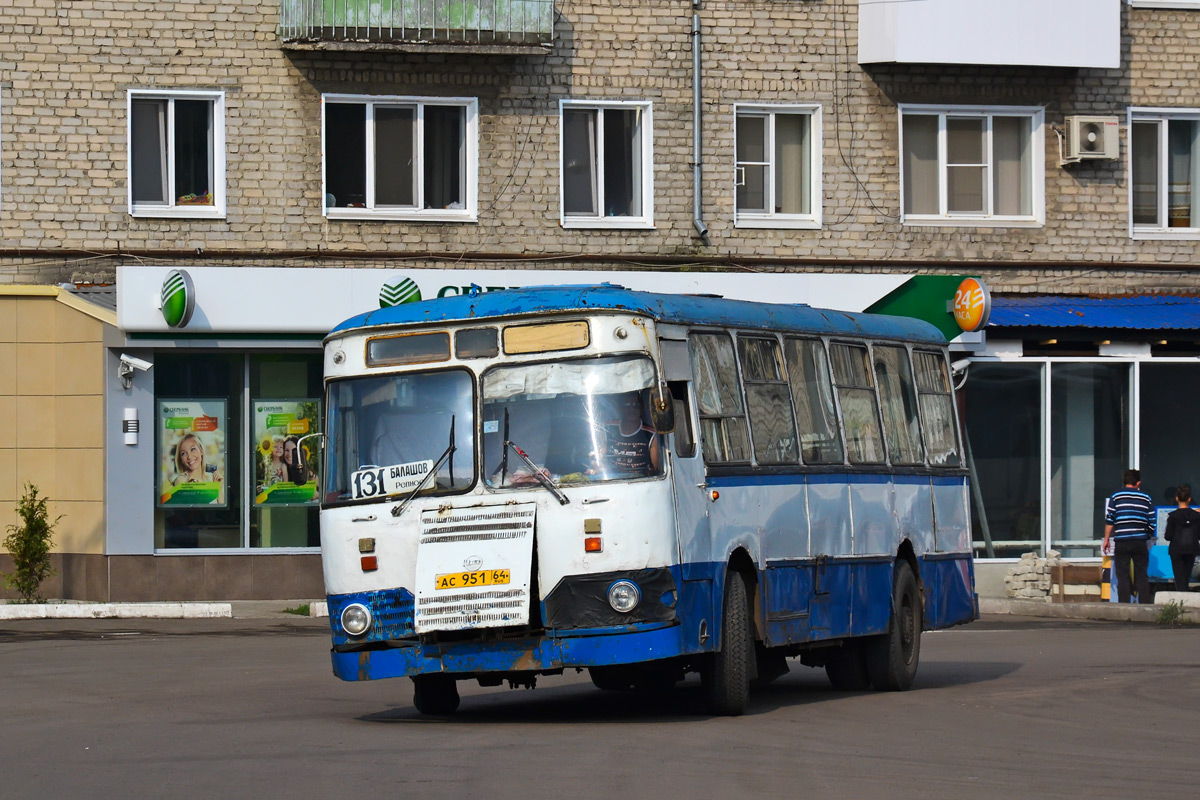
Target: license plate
465 580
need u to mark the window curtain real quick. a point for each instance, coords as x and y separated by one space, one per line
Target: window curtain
579 163
1011 153
443 157
920 164
1181 174
1145 173
395 155
793 177
148 122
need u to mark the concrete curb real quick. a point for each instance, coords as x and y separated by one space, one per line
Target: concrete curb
318 608
1112 612
115 610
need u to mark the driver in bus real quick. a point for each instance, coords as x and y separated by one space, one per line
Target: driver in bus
630 447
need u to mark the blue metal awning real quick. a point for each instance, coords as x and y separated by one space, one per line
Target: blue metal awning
1130 312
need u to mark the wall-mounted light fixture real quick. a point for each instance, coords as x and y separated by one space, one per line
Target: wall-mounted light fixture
130 425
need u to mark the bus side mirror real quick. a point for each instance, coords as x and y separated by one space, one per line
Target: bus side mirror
662 409
299 454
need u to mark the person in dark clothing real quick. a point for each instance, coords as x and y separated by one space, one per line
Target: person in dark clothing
632 447
1183 532
1129 522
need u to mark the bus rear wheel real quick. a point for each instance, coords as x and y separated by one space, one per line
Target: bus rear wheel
435 695
892 658
726 676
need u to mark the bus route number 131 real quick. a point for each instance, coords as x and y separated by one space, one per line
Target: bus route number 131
384 481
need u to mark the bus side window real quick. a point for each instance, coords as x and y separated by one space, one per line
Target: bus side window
937 409
685 440
898 402
768 401
812 393
723 434
860 410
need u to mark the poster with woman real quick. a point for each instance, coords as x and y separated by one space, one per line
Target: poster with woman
279 478
191 453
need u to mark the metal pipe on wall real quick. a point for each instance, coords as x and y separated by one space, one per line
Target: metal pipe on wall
697 120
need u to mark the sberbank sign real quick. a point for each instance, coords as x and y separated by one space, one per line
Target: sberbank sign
177 298
404 290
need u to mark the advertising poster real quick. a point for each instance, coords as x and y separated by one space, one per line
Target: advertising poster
191 436
279 425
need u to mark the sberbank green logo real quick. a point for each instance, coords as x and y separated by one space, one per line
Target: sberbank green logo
398 292
178 298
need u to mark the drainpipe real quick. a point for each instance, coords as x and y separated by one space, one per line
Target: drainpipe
697 190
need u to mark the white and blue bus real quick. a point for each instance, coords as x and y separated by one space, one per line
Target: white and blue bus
642 485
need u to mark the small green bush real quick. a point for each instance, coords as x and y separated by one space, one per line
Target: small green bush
300 610
1171 614
29 545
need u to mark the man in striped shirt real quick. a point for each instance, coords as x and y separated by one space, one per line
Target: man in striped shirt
1129 522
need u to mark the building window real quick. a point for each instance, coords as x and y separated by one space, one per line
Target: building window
176 154
777 171
400 158
606 165
1165 173
968 166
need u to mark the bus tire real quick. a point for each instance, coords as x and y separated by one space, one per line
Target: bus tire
726 677
893 657
847 669
435 695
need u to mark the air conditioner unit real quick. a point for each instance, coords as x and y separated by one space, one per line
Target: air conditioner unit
1092 138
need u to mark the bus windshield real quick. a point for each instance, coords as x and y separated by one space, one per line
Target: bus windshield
387 433
579 420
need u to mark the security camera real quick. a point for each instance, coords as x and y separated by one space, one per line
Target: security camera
130 363
959 366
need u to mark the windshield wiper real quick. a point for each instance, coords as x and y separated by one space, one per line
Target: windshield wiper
538 473
398 510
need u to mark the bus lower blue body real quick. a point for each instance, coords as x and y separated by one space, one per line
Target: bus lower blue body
801 602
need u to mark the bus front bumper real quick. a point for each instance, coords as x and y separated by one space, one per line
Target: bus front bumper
552 652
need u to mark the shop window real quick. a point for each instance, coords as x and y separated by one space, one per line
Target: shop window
768 401
1003 416
227 427
400 158
860 410
812 393
1089 450
777 167
937 409
723 433
1165 174
969 166
176 154
607 165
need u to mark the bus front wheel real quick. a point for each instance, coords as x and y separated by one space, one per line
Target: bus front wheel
436 695
892 658
726 676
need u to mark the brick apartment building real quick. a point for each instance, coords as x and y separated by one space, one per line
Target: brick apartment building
1051 148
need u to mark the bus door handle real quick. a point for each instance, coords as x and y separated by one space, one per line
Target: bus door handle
821 563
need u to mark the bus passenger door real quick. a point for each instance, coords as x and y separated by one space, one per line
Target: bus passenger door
689 486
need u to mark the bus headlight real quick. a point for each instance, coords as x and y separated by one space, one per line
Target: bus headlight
624 596
356 619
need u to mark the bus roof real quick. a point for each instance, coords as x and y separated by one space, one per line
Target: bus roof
682 309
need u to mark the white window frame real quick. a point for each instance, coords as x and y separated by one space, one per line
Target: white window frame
982 220
1185 4
770 219
645 221
170 209
470 210
1161 116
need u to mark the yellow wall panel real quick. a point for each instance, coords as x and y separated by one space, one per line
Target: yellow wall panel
80 474
8 430
80 368
75 326
38 467
8 319
8 368
81 529
35 422
35 368
8 479
36 319
79 420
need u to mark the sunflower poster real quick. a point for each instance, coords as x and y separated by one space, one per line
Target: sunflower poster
279 478
191 453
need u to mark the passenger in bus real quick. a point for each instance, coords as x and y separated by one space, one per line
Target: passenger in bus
630 446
